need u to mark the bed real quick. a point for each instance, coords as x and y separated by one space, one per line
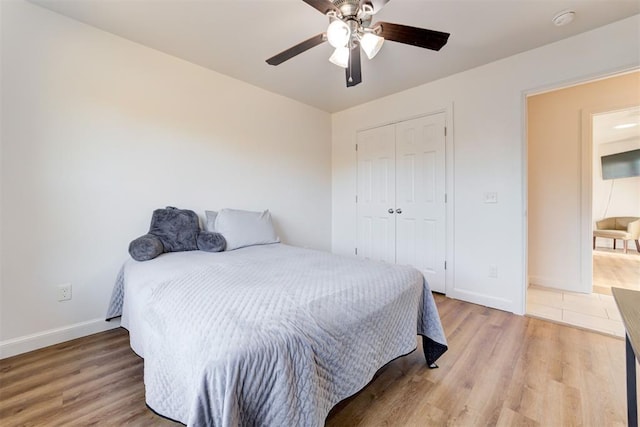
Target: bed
268 335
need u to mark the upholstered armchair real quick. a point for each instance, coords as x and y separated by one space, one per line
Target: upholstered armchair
624 228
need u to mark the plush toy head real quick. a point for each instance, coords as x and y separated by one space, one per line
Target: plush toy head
177 229
174 230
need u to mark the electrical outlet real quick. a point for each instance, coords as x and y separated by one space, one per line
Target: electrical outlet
493 271
64 292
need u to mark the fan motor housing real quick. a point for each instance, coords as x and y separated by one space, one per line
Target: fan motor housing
347 7
350 10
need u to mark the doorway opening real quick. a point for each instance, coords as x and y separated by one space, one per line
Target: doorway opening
568 131
616 200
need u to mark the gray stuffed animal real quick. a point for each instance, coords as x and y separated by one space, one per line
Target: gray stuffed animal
174 230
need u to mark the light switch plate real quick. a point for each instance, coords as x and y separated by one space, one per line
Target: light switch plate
491 197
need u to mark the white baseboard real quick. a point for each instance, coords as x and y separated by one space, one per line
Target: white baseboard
488 301
561 285
545 282
43 339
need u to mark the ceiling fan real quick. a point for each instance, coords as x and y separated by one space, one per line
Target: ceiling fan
350 29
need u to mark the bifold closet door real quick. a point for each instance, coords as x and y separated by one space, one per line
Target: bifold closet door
401 207
376 231
420 193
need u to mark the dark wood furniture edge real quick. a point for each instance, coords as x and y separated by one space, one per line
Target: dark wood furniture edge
628 302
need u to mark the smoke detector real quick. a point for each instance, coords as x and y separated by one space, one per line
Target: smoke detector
563 18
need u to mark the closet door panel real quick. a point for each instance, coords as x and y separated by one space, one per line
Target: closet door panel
420 188
376 194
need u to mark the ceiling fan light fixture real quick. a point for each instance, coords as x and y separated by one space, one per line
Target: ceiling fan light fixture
340 57
338 33
347 32
371 44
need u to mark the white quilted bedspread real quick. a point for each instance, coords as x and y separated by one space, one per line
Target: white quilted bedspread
267 335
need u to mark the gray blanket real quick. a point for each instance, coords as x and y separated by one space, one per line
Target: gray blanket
268 335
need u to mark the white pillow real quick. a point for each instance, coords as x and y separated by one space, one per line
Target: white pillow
210 223
245 228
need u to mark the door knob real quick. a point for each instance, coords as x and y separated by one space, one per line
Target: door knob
398 211
390 211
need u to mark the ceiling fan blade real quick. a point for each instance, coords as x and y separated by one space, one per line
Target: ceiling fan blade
297 49
323 6
353 72
414 36
377 5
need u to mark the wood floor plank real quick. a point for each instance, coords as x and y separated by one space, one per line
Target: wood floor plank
615 269
500 370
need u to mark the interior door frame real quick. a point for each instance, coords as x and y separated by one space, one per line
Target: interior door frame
586 177
449 164
586 191
586 199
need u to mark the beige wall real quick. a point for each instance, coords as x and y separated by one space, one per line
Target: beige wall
555 171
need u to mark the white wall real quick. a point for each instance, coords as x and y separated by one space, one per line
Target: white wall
488 155
1 162
99 131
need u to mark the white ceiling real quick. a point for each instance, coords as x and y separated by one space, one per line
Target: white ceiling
604 126
235 37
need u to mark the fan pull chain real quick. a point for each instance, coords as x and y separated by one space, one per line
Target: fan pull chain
350 67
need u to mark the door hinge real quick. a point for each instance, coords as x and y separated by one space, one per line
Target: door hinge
356 147
445 197
356 198
445 131
356 251
445 265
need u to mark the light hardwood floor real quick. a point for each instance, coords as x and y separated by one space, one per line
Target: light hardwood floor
612 268
501 369
596 311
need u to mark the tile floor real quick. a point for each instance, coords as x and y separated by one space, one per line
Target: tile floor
591 311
